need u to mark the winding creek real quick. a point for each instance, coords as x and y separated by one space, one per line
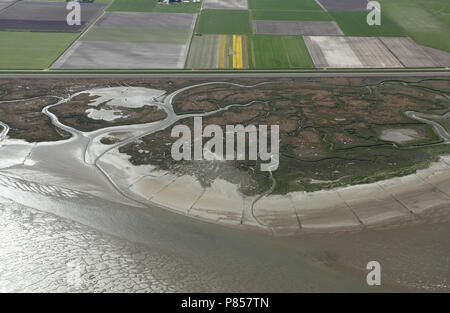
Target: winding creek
76 198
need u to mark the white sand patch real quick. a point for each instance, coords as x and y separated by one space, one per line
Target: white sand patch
128 97
323 210
222 202
399 135
120 97
105 115
180 195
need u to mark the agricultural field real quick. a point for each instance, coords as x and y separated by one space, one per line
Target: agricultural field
255 51
219 51
291 15
238 34
133 5
408 52
355 24
32 50
280 5
6 3
225 4
269 51
224 22
296 28
204 52
46 16
427 22
344 5
133 40
350 52
178 8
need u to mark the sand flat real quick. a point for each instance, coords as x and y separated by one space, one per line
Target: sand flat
419 199
323 210
148 186
221 202
372 204
180 195
278 213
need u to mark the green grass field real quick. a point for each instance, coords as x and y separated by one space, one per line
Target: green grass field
178 8
280 5
427 22
32 50
133 5
438 8
273 51
355 24
291 15
224 22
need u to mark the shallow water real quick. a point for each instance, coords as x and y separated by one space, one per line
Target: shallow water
136 249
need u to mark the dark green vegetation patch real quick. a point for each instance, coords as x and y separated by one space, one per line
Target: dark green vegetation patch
224 22
355 24
133 5
330 131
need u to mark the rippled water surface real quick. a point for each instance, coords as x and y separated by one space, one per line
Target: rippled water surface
40 252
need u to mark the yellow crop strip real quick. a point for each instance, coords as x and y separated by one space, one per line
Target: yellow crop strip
222 52
239 52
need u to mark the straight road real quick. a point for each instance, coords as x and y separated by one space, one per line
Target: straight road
226 75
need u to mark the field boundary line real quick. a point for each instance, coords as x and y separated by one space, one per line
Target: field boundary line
320 4
191 38
8 6
80 36
392 52
307 51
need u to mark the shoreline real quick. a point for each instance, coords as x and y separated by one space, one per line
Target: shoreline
395 200
339 209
